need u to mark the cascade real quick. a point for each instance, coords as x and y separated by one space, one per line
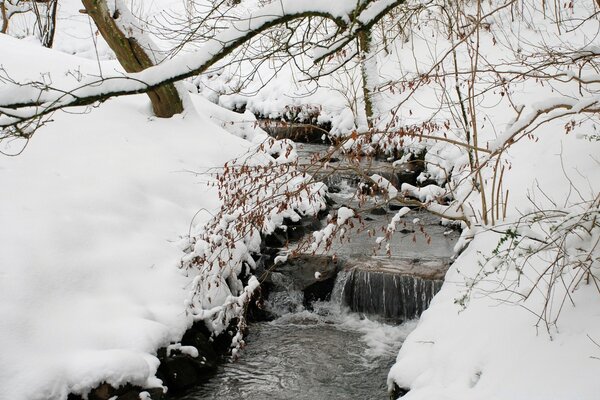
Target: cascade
395 289
392 296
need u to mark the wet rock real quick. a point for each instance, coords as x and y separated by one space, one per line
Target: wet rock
330 203
299 273
333 188
398 392
198 339
378 211
298 132
179 372
408 173
155 394
318 291
296 232
256 311
103 392
263 266
130 395
276 239
395 206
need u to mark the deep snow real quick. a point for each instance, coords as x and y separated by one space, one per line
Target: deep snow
93 210
92 213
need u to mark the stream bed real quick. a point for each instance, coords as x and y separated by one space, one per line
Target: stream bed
329 352
324 354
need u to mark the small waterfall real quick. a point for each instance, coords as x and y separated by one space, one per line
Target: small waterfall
395 290
337 294
395 297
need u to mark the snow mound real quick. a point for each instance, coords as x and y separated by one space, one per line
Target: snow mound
91 214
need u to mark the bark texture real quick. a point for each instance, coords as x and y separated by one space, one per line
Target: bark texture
165 99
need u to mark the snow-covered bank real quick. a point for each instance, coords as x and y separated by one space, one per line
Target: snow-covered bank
491 349
94 208
91 214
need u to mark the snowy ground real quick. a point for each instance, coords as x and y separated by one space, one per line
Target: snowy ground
91 213
492 349
484 340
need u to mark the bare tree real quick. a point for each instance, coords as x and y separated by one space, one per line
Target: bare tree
45 17
22 116
9 8
134 50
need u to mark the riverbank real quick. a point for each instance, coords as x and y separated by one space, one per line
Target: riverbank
93 212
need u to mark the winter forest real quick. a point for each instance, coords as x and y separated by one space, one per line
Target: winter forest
299 199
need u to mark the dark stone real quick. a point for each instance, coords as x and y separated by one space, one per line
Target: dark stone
276 239
395 206
130 395
407 177
330 203
179 372
318 291
156 393
398 392
222 343
298 273
103 392
333 189
323 213
298 132
256 311
312 224
379 211
198 339
296 232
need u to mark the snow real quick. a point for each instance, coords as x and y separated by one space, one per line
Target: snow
101 204
344 214
479 339
426 194
390 191
489 334
92 214
335 226
49 96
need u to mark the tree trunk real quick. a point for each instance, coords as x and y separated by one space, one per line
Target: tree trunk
166 101
364 44
4 27
46 21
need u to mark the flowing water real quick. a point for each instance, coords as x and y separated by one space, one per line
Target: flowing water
330 353
324 354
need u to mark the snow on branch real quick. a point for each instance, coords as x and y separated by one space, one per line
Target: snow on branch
533 116
259 191
23 101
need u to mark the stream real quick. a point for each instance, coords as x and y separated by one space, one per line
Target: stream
328 352
323 354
